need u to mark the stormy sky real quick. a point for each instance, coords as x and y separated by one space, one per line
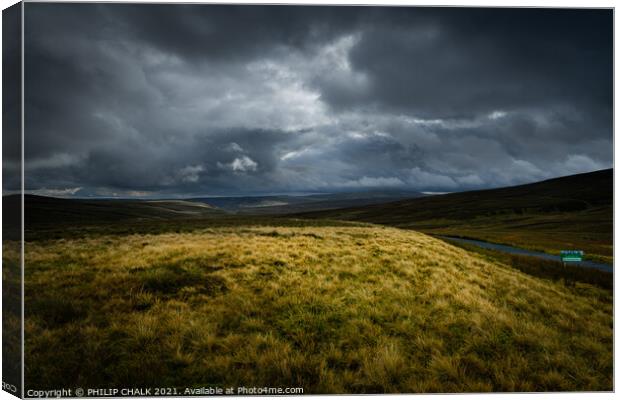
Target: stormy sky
184 100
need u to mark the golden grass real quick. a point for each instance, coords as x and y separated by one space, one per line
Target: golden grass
329 309
11 314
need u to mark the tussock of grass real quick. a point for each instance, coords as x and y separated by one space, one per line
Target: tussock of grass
335 309
170 280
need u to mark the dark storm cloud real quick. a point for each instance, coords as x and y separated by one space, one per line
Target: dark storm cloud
451 62
186 99
11 99
230 32
200 32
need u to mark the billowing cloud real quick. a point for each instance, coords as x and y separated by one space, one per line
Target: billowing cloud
240 164
260 99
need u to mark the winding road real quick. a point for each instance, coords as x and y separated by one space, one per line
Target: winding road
524 252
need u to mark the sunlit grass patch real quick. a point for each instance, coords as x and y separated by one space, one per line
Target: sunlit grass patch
331 309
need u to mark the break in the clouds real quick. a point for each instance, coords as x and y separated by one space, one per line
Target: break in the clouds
174 100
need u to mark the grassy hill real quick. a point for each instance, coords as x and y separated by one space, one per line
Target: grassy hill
49 218
171 294
331 309
569 212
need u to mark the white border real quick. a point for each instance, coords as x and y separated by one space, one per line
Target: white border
479 3
21 255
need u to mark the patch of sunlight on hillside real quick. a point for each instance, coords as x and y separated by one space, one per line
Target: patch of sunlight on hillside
329 309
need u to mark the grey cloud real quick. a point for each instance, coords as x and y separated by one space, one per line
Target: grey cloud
174 100
453 62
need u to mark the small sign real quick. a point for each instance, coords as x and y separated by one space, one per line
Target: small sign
571 255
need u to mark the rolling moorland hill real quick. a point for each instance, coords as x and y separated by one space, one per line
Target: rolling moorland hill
568 212
340 309
41 210
53 218
328 305
45 211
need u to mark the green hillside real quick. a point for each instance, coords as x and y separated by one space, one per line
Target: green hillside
569 212
330 309
166 293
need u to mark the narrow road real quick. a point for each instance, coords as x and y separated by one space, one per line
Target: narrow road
524 252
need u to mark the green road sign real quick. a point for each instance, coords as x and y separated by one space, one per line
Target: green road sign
571 255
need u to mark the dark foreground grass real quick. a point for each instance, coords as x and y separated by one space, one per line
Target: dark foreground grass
331 309
11 314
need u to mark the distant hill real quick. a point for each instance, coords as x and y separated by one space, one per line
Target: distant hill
570 193
574 210
42 212
49 210
287 204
